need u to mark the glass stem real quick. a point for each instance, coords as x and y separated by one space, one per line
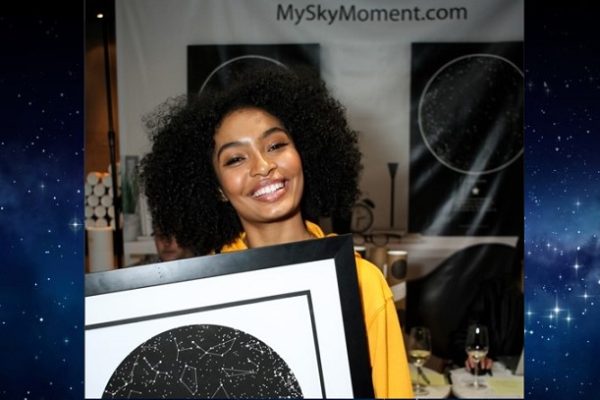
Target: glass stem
476 382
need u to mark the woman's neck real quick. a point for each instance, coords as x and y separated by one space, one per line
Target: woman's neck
272 233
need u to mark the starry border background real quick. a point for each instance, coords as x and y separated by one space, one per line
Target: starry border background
41 175
562 200
41 200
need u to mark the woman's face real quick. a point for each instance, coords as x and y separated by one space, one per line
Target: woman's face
258 166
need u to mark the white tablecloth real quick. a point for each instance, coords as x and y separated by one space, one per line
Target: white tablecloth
502 384
439 387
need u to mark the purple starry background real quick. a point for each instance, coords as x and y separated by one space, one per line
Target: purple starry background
562 202
41 175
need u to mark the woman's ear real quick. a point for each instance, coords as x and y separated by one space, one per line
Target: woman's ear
222 196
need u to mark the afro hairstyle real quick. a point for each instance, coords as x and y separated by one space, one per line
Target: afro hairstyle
178 177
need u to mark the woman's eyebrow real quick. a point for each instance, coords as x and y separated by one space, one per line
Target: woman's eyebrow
228 145
272 130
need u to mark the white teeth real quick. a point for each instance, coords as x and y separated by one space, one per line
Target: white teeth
268 189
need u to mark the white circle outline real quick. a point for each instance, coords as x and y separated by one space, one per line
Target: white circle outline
421 100
214 71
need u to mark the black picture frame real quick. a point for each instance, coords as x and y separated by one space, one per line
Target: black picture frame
332 255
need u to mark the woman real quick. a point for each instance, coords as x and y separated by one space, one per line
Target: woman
252 166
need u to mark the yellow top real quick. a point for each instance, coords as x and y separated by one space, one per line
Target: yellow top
390 373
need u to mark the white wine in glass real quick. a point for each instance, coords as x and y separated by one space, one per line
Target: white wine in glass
419 350
477 346
419 357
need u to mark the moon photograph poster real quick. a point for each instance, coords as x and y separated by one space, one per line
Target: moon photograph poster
276 331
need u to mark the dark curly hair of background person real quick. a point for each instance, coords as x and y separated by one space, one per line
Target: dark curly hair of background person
178 178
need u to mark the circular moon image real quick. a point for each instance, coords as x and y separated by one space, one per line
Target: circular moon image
471 114
226 72
203 361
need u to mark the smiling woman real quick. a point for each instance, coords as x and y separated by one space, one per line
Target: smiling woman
250 167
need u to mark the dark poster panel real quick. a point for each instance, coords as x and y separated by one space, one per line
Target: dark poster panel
213 66
466 139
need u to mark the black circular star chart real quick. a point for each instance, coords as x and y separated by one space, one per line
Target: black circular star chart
203 361
225 73
471 114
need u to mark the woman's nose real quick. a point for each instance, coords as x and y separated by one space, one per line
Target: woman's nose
262 166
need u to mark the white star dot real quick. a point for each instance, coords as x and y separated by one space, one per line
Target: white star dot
556 309
75 224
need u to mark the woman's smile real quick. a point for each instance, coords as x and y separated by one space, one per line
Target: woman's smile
269 190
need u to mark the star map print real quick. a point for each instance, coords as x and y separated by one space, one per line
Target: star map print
471 113
203 361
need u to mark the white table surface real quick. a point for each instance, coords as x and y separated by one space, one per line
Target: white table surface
435 391
513 384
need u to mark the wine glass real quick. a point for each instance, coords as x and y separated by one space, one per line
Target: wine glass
477 346
419 350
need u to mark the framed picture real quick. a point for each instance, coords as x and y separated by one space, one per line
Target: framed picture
466 139
279 321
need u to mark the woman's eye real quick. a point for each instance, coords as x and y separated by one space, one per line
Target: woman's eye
233 160
277 145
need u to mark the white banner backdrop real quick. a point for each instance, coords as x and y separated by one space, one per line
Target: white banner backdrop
365 57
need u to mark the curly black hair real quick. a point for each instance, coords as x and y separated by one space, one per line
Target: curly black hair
178 178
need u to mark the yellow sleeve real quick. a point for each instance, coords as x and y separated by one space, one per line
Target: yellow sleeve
390 373
391 378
